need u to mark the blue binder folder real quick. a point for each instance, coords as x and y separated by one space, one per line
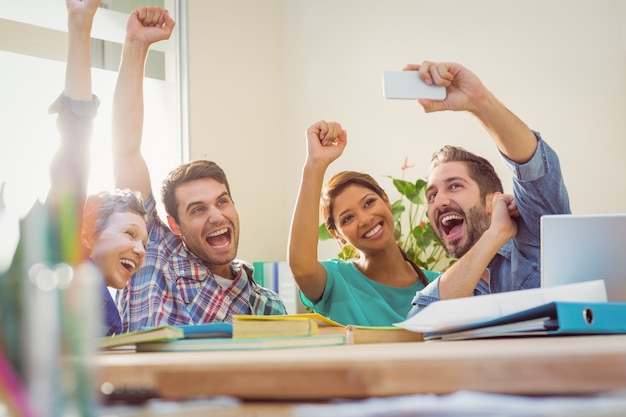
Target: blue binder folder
555 318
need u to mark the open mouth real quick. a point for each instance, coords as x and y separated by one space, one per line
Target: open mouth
219 238
373 231
128 264
450 223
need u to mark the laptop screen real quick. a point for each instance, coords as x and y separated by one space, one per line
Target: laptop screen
585 247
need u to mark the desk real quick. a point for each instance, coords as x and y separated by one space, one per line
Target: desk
574 365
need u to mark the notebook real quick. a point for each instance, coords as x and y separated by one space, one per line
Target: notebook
585 247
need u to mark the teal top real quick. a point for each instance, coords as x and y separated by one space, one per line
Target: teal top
352 298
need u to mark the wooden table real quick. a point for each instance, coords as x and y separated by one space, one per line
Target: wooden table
527 366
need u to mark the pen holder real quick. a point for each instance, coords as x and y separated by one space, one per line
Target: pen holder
61 325
49 323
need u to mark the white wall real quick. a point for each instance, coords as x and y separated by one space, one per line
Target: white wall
235 62
261 72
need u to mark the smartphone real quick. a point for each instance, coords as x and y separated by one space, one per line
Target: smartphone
409 85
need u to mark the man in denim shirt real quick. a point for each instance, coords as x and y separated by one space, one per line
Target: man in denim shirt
495 237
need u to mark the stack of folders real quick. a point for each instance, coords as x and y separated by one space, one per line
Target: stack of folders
571 309
555 318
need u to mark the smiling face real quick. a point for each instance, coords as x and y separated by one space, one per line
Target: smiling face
119 250
456 211
208 223
363 219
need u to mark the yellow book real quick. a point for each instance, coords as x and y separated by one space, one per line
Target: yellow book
262 326
381 334
303 324
314 323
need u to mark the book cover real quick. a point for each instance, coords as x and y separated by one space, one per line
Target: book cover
141 336
212 344
301 324
205 330
291 326
314 323
277 277
381 334
322 320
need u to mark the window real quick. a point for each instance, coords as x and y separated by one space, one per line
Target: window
32 58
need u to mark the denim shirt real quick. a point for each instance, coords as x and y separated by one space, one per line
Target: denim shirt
539 189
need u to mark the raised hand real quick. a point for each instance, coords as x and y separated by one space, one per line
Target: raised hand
81 11
149 25
325 141
503 211
463 88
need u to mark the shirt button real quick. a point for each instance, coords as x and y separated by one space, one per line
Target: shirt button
227 298
181 271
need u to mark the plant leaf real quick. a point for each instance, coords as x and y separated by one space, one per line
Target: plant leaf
323 233
348 252
404 187
397 230
418 194
397 208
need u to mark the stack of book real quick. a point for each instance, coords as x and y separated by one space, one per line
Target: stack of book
257 332
208 337
307 324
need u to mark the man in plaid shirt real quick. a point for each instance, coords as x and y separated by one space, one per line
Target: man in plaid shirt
190 273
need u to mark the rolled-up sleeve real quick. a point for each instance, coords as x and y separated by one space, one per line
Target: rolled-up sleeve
534 168
430 294
427 295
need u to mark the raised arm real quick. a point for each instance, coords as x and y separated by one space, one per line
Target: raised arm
325 143
76 107
465 91
145 26
80 14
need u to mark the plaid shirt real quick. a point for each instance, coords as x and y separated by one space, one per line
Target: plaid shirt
174 287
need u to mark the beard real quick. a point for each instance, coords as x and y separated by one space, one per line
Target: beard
476 221
209 256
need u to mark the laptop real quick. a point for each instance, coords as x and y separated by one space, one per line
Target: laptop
585 247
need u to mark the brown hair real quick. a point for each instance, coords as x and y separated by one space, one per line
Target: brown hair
191 171
480 170
335 186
